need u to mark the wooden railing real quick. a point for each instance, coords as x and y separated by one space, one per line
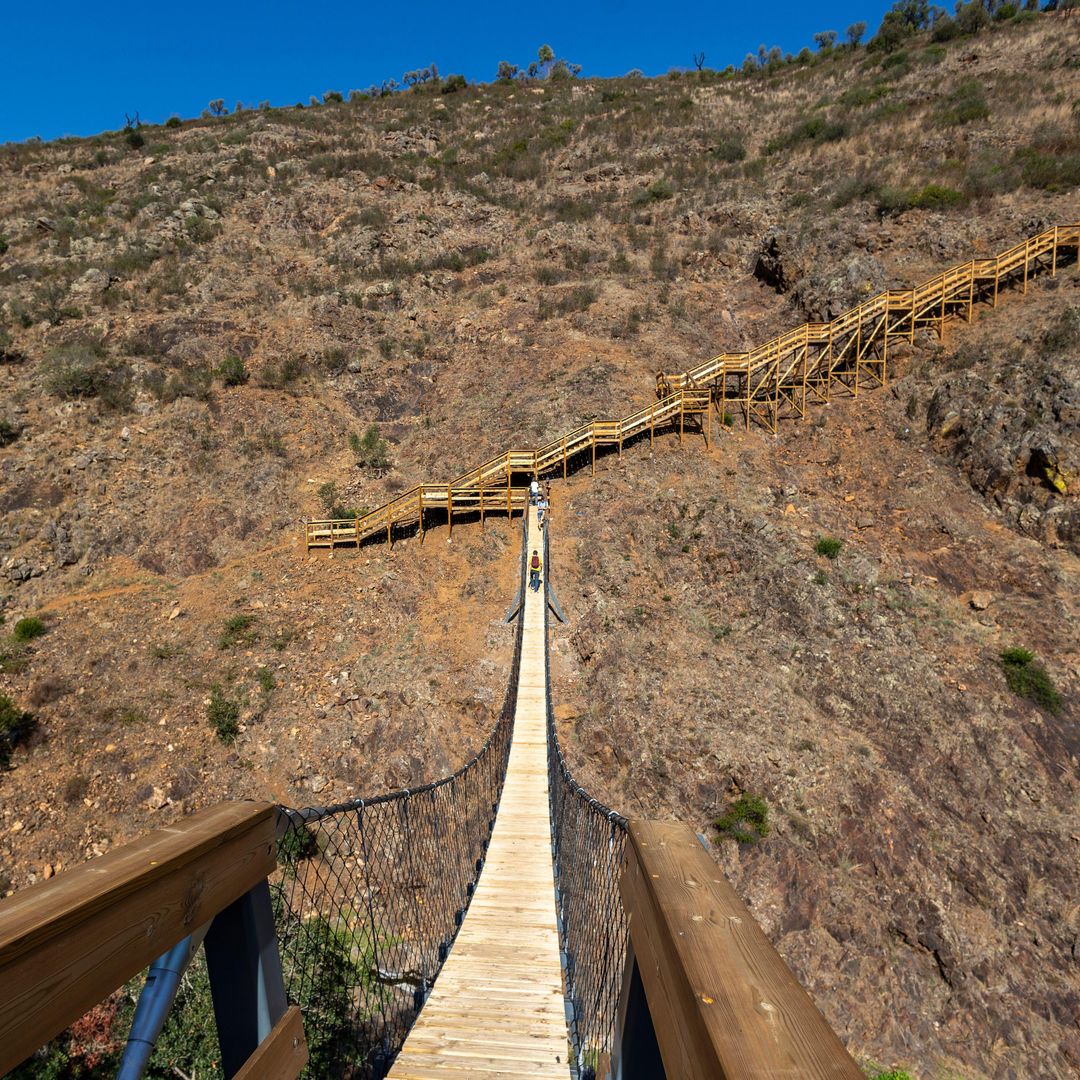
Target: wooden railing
66 944
706 996
489 487
853 347
781 374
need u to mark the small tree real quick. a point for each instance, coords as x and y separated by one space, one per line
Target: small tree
371 450
699 60
825 40
232 371
332 96
854 33
507 72
217 107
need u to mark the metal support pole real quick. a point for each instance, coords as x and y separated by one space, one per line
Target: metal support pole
245 976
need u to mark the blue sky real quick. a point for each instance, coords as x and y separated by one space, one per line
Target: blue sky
75 68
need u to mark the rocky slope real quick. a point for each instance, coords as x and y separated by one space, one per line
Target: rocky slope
193 328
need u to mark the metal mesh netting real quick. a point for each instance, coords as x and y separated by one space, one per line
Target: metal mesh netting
588 840
368 899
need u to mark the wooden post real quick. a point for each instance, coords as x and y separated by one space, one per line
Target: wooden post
449 512
592 439
420 503
723 1004
1027 253
885 350
652 426
858 351
389 526
912 338
941 313
971 290
564 457
706 419
1053 254
997 278
682 413
481 505
509 506
357 527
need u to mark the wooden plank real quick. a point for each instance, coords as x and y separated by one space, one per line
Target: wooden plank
66 944
724 1004
282 1054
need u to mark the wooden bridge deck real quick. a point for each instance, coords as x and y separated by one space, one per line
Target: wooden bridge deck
497 1007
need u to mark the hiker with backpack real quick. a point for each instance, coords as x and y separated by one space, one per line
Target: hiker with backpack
536 564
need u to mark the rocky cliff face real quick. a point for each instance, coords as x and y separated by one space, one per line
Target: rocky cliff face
195 336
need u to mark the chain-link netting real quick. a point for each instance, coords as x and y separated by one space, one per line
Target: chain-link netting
369 896
588 840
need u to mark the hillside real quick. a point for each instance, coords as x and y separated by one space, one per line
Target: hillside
199 323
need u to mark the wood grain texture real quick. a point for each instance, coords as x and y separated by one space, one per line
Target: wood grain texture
724 1004
497 1008
282 1054
66 944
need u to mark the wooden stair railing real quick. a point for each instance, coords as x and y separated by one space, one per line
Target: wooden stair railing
489 487
854 346
706 996
66 944
851 350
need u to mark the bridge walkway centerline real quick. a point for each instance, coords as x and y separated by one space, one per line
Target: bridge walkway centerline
497 1008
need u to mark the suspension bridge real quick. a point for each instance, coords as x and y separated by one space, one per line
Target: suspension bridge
496 922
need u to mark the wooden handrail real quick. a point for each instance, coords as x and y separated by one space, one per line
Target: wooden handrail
846 354
724 1005
68 943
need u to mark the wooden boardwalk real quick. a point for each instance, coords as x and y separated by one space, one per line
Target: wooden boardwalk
497 1007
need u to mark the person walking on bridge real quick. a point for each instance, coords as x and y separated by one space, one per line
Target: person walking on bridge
536 565
534 491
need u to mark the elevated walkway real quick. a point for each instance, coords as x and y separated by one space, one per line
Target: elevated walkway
497 1008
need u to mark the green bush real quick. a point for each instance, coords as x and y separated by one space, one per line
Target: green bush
223 715
657 191
8 432
1030 680
173 122
729 148
816 129
964 105
828 546
1065 333
27 629
453 84
746 820
232 371
15 725
1050 171
238 632
81 371
372 451
931 197
890 1074
297 843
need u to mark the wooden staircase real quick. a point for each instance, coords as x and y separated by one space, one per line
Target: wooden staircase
776 379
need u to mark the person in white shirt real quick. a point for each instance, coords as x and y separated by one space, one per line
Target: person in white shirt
534 491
